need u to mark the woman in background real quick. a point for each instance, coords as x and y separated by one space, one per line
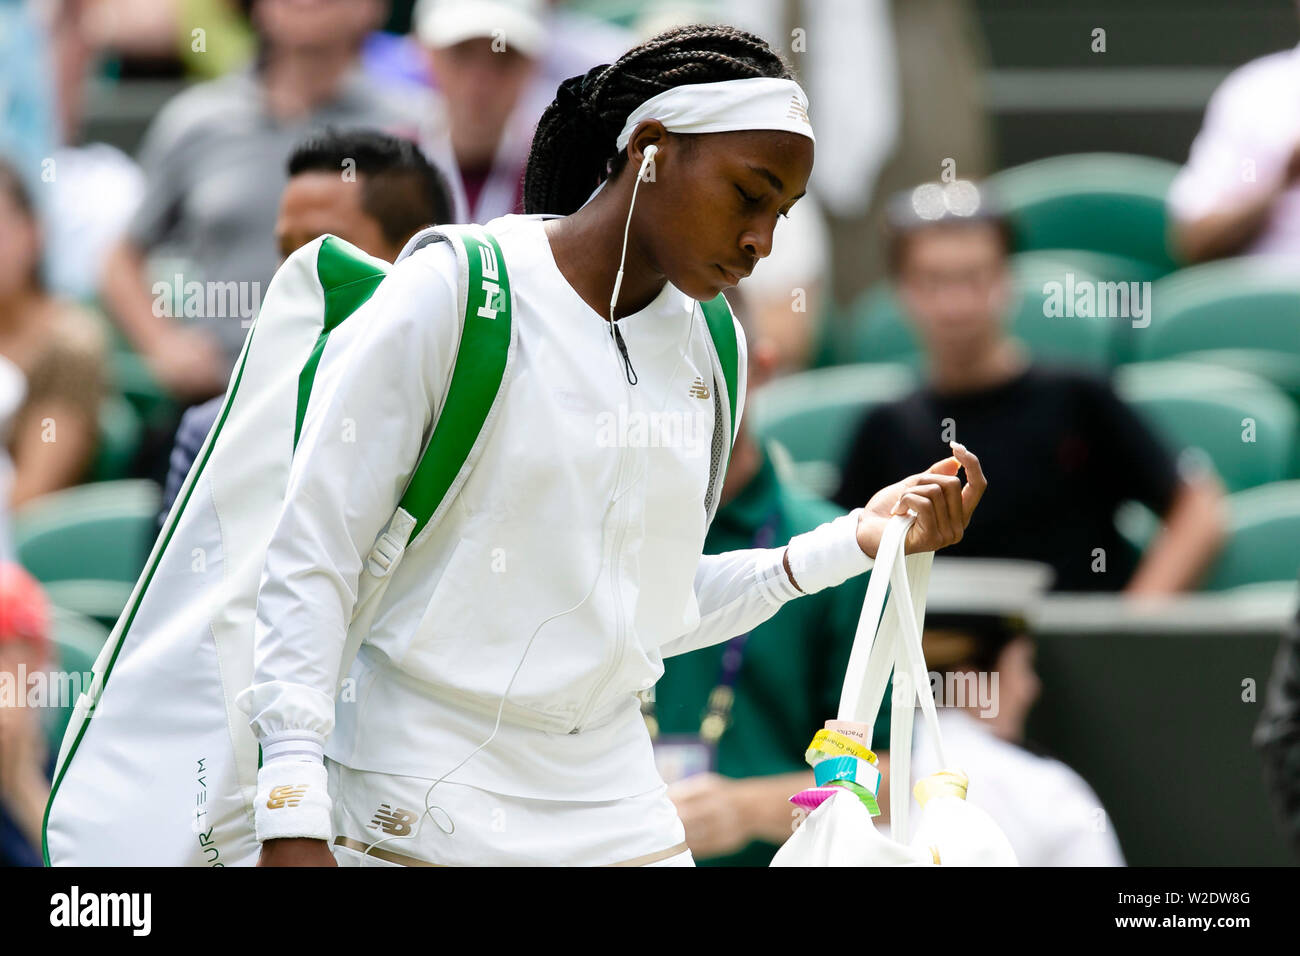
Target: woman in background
60 349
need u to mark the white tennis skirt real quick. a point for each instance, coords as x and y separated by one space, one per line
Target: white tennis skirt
384 819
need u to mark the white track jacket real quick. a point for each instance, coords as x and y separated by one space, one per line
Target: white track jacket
581 527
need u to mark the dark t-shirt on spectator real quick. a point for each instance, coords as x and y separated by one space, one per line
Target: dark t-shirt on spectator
1061 452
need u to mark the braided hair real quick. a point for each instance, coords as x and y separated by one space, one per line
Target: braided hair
574 146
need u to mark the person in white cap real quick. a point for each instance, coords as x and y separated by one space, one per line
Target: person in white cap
493 716
484 57
979 651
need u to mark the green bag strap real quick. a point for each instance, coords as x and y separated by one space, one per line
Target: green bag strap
717 316
475 380
349 278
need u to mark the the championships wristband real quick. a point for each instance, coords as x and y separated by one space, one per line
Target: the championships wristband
827 555
293 801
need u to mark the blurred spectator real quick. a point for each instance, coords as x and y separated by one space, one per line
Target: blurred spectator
903 81
731 722
1070 451
483 55
214 166
93 188
27 110
26 766
61 351
13 389
396 192
1240 190
1277 735
575 42
979 651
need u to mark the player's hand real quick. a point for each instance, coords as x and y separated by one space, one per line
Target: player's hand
297 851
943 506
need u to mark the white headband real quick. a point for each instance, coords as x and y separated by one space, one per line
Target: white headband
760 102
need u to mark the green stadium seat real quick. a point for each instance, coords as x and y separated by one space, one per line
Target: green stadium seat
1106 266
811 416
1203 408
1104 202
101 601
1264 538
120 434
1233 304
1279 368
96 532
882 333
77 642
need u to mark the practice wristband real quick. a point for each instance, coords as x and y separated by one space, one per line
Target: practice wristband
832 743
293 801
827 555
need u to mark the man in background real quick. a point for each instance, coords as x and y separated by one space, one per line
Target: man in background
979 650
213 160
1071 450
484 56
392 193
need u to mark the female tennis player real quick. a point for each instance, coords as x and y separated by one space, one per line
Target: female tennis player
491 716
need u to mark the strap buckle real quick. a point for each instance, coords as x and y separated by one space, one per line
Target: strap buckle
384 555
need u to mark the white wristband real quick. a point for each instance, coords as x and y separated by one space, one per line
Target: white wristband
828 555
293 800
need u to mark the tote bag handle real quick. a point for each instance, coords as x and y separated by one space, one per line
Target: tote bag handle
888 639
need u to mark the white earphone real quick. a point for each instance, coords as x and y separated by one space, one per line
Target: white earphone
648 160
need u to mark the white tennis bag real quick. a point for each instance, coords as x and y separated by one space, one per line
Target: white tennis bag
158 766
838 830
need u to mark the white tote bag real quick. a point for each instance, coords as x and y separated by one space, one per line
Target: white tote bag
840 831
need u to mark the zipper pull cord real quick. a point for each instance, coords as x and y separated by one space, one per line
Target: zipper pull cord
627 362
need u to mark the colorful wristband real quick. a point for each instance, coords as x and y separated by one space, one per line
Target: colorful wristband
853 769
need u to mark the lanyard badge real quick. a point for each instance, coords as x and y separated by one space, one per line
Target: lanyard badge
678 756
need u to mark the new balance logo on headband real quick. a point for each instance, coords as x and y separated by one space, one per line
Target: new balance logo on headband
796 110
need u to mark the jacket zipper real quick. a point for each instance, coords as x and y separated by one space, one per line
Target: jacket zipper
620 630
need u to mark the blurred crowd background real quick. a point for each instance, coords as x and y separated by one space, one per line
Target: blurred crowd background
1064 234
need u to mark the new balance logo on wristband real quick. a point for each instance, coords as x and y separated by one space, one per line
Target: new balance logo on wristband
287 795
